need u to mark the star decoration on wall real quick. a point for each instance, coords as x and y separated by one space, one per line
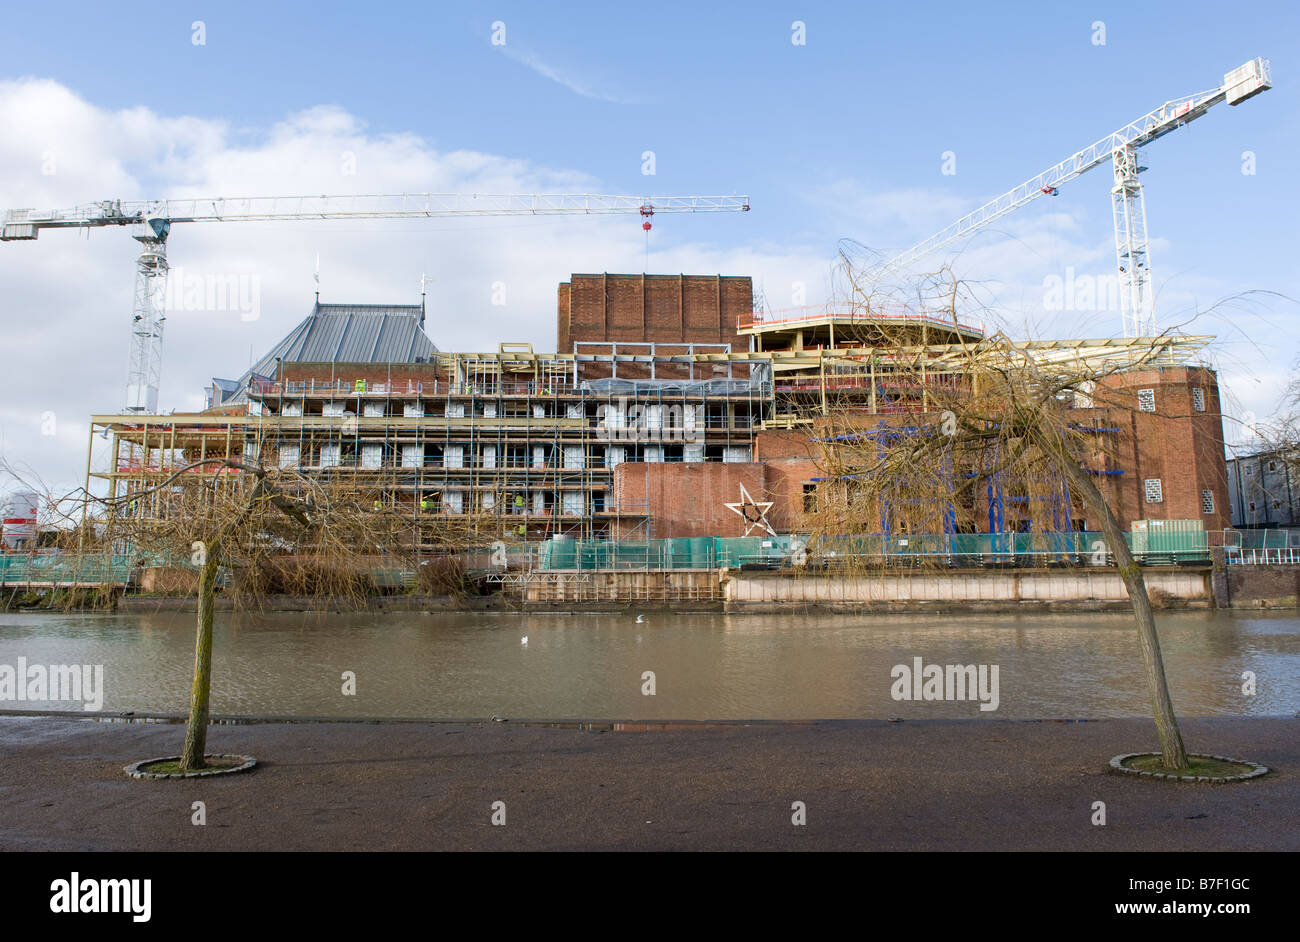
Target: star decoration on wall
753 511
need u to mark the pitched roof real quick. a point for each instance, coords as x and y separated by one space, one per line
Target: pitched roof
344 333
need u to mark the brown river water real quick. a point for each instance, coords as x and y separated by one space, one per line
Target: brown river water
704 666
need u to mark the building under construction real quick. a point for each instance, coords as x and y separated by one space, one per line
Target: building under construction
671 408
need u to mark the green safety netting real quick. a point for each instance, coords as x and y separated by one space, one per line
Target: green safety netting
1157 546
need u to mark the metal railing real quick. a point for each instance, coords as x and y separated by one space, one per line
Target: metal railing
813 313
1258 547
432 387
1263 557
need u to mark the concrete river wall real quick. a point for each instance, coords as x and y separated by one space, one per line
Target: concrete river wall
966 590
974 590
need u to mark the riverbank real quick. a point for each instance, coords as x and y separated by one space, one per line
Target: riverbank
866 785
730 591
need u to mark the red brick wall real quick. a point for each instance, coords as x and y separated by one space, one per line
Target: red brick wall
652 309
783 484
689 498
792 460
786 443
1177 444
562 342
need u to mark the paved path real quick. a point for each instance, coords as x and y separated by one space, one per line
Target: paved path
944 785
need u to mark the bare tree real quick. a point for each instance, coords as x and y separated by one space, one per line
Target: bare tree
1280 434
272 529
986 408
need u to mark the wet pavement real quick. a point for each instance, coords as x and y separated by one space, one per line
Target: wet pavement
865 785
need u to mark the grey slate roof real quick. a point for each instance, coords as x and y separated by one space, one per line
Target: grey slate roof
343 333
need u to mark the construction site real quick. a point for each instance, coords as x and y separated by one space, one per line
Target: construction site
677 413
676 408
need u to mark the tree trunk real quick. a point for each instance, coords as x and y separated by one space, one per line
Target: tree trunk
196 730
1162 707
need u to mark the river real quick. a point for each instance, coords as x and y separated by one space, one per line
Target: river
702 666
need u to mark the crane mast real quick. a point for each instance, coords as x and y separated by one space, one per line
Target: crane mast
150 223
148 313
1132 247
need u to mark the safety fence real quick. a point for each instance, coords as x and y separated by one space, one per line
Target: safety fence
1167 546
955 550
40 570
705 552
1259 547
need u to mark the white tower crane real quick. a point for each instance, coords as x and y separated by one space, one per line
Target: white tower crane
151 222
1132 250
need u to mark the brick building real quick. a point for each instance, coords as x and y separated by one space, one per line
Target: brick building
666 396
652 309
1169 446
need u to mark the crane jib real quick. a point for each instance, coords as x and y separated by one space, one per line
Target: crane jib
151 222
1131 243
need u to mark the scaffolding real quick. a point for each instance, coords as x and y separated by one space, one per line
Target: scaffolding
525 446
521 445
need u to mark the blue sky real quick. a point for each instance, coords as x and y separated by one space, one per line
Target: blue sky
842 137
725 99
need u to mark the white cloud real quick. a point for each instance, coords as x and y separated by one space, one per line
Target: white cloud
578 86
65 308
